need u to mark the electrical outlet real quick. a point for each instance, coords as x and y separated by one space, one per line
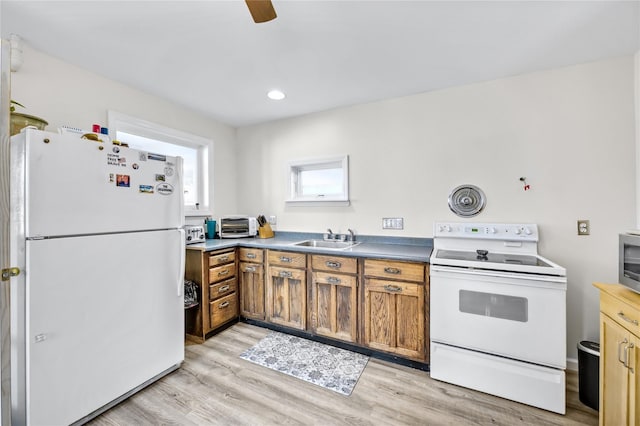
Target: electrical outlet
272 220
392 223
583 227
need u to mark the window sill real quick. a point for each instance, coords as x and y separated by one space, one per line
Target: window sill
316 203
197 213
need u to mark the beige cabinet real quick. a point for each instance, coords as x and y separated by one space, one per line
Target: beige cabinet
215 274
395 307
251 275
619 356
334 296
286 289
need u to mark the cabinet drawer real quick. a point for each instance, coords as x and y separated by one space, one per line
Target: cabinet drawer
284 258
223 272
624 314
250 268
347 265
293 274
251 255
335 279
393 287
222 288
223 310
219 259
394 270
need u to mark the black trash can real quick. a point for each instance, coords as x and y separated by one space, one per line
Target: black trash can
589 373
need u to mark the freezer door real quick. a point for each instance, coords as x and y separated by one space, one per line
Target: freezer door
104 314
75 186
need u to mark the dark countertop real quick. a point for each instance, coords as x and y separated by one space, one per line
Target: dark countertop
397 248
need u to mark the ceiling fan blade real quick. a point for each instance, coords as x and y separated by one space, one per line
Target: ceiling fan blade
261 10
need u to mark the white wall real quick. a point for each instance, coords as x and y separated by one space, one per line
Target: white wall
569 131
64 94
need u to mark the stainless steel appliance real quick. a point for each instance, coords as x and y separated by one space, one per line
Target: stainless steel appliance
194 234
498 313
238 226
99 312
629 260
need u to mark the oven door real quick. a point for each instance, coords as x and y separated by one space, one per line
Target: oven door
514 315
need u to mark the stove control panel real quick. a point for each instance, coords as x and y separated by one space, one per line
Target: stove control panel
493 231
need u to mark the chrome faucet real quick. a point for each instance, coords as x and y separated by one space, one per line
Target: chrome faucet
329 236
352 236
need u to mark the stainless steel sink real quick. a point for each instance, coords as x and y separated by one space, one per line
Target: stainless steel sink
335 245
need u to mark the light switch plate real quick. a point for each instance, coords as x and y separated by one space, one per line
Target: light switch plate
392 223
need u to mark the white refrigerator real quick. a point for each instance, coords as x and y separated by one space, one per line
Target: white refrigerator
97 311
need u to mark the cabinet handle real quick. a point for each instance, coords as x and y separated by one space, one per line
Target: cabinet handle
285 259
223 272
331 264
224 258
394 271
223 305
627 351
250 269
251 255
285 274
333 280
393 288
627 319
624 342
223 289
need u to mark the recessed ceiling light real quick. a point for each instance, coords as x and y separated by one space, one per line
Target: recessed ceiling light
276 95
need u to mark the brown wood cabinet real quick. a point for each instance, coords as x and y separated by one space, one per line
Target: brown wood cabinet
215 274
377 303
334 297
395 307
286 292
251 274
619 355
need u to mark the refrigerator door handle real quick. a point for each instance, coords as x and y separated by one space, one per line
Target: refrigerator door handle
183 255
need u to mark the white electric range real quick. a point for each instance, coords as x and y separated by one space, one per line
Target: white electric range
498 313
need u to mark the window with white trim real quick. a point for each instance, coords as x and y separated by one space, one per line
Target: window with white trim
194 150
320 180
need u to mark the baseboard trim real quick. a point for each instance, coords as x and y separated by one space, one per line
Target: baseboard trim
572 364
343 345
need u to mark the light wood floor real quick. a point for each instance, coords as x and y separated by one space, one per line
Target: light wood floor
216 387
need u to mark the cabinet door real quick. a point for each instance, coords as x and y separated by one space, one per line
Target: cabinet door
614 376
252 290
287 297
634 383
394 317
334 309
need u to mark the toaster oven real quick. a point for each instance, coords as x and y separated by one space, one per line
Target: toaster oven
238 226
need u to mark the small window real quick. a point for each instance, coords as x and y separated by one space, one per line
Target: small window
323 180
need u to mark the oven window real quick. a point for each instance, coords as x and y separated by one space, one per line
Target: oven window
494 305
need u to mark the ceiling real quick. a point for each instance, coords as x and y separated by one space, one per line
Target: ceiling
211 57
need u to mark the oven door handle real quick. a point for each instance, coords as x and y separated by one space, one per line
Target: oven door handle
440 270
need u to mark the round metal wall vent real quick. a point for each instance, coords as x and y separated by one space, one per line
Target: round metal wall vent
466 200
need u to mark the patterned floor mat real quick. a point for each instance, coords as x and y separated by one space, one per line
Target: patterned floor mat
323 365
